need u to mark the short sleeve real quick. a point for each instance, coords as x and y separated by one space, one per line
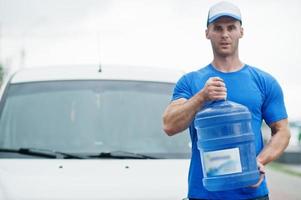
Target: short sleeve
182 89
273 108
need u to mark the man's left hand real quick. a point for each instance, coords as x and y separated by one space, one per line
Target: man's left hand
261 169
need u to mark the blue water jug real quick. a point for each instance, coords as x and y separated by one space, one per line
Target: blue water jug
226 144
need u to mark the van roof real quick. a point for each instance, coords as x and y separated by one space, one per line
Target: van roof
92 73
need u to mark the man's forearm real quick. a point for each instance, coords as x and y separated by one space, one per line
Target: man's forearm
179 115
277 144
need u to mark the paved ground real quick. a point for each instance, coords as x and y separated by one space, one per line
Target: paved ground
282 185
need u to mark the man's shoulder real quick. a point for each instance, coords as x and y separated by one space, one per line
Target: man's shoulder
198 71
259 73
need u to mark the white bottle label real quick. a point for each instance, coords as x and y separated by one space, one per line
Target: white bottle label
222 162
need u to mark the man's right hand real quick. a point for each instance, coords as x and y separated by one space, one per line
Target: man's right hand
214 89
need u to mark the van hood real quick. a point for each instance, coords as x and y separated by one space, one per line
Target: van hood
93 179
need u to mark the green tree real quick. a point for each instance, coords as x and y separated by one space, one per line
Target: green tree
1 73
299 136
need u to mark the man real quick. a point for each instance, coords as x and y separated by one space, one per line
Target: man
228 77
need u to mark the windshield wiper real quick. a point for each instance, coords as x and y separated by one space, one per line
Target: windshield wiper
46 153
122 155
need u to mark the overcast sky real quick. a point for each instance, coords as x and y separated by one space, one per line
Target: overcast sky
159 33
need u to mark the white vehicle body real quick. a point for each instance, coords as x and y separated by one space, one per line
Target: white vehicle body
30 175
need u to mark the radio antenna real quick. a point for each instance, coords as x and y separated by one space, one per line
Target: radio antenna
98 51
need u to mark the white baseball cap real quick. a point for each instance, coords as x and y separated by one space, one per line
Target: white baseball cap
223 9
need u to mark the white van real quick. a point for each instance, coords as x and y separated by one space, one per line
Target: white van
81 133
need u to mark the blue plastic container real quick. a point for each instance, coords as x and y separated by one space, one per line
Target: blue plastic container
226 144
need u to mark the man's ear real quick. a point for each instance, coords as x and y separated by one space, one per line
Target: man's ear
241 32
206 32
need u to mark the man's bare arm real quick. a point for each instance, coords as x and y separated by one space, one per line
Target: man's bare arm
179 113
278 142
275 147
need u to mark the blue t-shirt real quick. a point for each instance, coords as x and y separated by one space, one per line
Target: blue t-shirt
249 86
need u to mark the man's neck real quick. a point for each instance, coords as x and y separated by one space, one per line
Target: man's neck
227 64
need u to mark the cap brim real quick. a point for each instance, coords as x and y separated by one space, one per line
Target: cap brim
216 17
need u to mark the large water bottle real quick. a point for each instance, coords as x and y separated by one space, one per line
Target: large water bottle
226 144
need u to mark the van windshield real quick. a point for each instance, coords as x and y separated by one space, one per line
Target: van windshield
88 117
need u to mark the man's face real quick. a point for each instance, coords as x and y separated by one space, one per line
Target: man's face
224 35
